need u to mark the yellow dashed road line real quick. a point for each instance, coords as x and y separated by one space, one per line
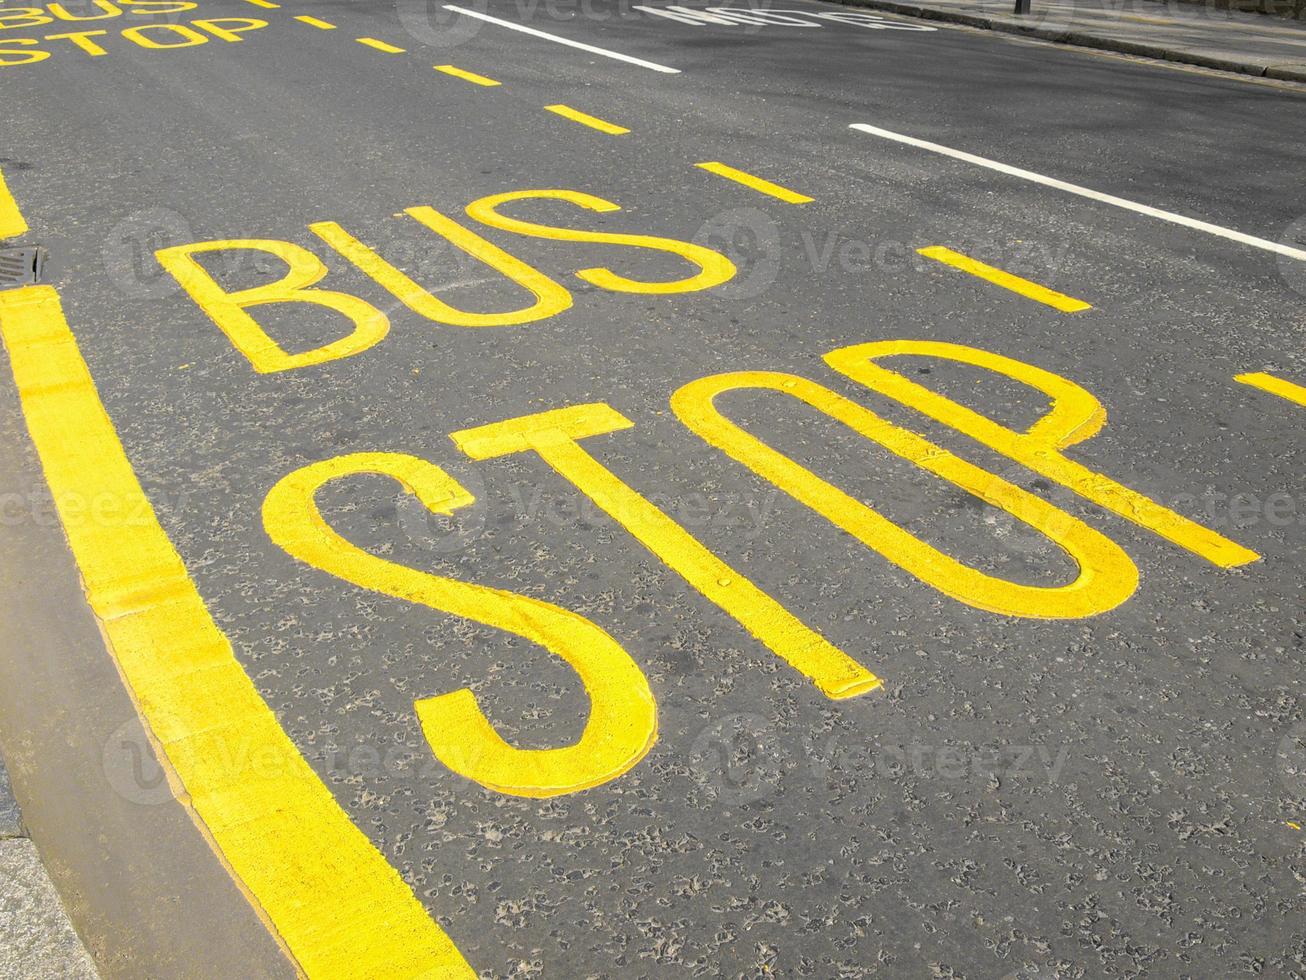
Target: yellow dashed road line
593 122
314 22
467 76
265 4
1030 290
372 42
1275 386
756 183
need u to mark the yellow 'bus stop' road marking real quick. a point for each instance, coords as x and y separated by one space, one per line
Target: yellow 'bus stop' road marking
328 895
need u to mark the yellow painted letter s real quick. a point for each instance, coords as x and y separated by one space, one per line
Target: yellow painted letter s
622 724
714 268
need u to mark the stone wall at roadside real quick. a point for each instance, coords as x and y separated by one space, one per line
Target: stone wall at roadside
1295 9
36 937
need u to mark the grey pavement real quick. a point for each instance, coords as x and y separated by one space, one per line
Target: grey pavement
1199 34
37 939
129 862
11 824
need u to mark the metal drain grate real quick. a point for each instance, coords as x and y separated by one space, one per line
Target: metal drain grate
20 266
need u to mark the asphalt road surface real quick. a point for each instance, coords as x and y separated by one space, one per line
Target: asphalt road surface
859 552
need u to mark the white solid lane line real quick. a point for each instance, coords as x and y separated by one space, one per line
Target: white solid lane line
1120 202
563 40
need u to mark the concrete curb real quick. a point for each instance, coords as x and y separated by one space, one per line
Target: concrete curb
1083 40
36 937
11 821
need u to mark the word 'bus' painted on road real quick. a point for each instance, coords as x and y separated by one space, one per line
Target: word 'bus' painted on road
11 17
370 325
95 43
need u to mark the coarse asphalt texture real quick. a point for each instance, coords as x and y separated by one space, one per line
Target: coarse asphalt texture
1110 796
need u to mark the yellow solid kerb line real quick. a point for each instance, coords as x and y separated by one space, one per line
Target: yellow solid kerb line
372 42
324 890
1030 290
12 223
467 76
756 183
314 22
1275 386
593 122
